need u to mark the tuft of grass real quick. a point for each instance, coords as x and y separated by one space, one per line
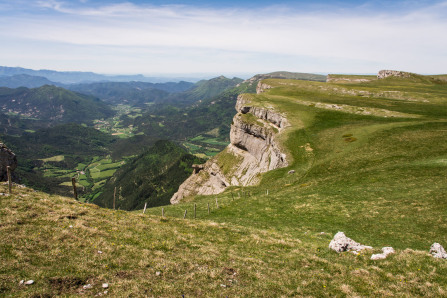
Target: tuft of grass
350 139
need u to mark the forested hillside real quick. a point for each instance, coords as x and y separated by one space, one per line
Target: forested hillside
50 105
152 178
50 157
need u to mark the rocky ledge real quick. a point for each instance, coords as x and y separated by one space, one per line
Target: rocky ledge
392 73
253 150
7 158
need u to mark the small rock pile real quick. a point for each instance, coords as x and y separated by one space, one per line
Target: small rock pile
341 243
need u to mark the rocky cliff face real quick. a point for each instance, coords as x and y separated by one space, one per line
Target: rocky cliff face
253 150
7 158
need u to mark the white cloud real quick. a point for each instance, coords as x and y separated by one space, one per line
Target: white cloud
213 37
52 4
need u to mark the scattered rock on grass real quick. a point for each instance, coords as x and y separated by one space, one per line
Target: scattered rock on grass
291 172
438 251
342 243
105 285
385 252
87 286
29 282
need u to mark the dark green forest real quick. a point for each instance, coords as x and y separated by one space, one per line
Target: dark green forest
152 178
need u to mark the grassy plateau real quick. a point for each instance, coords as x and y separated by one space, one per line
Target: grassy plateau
370 159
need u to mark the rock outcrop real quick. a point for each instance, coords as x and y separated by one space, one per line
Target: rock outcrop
392 73
342 243
253 150
340 79
438 251
262 87
7 158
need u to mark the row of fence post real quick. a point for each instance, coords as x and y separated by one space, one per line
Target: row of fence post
73 180
195 206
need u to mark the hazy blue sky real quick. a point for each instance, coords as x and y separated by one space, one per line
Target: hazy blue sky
224 37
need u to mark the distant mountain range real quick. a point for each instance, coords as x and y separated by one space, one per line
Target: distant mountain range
133 93
76 77
25 80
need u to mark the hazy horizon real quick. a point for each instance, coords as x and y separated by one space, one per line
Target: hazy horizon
224 37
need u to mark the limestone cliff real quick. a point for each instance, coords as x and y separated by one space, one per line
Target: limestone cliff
253 150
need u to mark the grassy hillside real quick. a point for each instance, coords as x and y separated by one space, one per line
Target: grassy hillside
64 245
369 160
290 75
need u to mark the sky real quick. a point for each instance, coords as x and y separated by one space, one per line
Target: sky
224 37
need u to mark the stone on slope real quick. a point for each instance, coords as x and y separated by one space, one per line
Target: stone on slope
385 252
438 251
342 243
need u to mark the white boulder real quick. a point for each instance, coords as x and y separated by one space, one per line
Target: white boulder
438 251
342 243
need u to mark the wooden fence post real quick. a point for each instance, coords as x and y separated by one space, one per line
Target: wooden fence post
184 216
162 212
195 207
208 208
114 196
217 204
75 192
8 170
145 204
